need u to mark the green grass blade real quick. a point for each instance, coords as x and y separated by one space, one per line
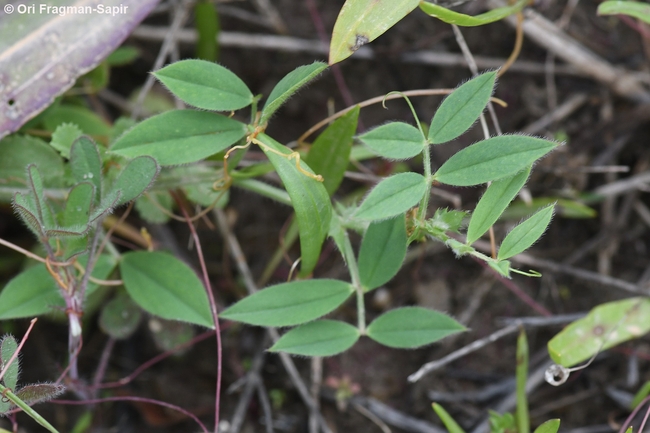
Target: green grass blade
522 416
634 9
451 17
447 420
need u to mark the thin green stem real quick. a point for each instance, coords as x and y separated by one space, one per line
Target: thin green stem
351 261
26 408
424 203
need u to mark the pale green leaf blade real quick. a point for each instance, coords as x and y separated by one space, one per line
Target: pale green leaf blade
290 304
136 178
382 252
393 196
179 137
18 151
318 338
525 234
289 85
605 326
550 426
205 85
75 216
329 155
86 163
43 211
461 108
492 159
363 21
31 293
309 199
451 424
25 206
166 287
8 347
496 199
451 17
411 327
120 317
634 9
395 140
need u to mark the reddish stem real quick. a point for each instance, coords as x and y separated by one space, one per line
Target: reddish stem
133 398
213 308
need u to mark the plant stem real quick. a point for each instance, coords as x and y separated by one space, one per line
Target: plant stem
351 261
26 408
424 203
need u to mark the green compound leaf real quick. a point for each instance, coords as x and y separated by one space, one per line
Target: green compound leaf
319 338
550 426
410 327
395 140
634 9
461 108
63 137
492 159
329 155
525 234
290 84
136 178
86 164
382 252
8 347
451 424
166 287
205 85
451 17
179 137
393 196
290 304
495 200
605 326
363 21
309 199
18 151
31 293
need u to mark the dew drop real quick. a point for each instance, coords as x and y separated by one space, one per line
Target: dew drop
50 75
90 176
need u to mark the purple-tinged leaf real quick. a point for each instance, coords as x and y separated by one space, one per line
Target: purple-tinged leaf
43 52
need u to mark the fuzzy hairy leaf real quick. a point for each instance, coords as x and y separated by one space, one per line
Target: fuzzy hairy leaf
318 338
329 155
8 347
290 304
392 196
205 85
86 164
461 108
309 199
18 151
525 234
166 287
496 199
136 178
179 137
382 252
288 85
395 140
492 159
411 327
